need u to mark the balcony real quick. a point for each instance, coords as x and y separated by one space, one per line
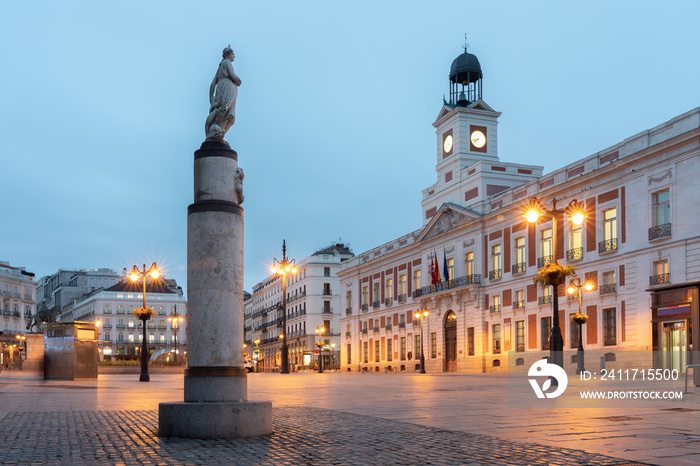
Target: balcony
348 311
494 308
495 274
544 299
658 279
402 298
388 301
574 254
375 305
120 326
660 231
387 327
541 261
609 245
416 322
326 291
402 324
376 329
448 285
519 304
364 331
327 310
518 268
607 289
365 307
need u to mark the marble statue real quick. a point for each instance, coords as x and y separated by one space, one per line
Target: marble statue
222 99
239 185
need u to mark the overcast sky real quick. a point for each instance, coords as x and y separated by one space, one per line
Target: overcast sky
103 103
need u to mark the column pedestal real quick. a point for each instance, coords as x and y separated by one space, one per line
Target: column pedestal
215 400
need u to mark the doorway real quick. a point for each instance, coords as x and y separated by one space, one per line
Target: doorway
673 345
450 342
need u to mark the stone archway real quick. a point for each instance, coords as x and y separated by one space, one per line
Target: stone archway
450 327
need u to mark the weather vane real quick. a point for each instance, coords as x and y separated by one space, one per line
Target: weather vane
466 46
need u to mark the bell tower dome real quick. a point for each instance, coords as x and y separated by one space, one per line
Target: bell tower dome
465 79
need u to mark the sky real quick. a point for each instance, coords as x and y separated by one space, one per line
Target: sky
102 105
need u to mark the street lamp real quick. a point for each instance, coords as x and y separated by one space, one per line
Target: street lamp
174 317
282 268
421 316
144 313
256 352
579 319
576 213
333 355
320 330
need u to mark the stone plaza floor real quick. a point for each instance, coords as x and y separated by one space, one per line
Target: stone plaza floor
337 418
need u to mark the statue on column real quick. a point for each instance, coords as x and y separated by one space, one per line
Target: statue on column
222 98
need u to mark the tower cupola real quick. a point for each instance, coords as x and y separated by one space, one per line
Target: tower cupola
465 79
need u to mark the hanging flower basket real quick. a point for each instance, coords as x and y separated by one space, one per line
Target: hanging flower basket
553 273
579 318
319 344
144 313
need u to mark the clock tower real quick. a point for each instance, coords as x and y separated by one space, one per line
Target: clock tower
467 163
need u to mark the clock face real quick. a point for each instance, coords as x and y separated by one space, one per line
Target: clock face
478 139
447 144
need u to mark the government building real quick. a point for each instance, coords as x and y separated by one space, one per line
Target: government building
639 245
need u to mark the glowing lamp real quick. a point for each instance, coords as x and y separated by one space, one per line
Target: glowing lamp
532 216
571 290
577 218
134 276
588 286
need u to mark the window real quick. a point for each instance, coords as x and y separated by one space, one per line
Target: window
496 338
326 307
161 337
520 335
573 332
545 330
660 273
120 337
348 301
496 263
575 251
365 298
375 299
364 327
108 309
389 291
495 303
365 349
326 289
416 279
108 336
520 260
609 242
131 337
120 309
326 271
608 285
402 288
376 350
349 353
433 345
151 338
470 341
661 214
417 347
469 264
450 269
546 297
131 323
609 327
545 247
402 348
389 350
519 301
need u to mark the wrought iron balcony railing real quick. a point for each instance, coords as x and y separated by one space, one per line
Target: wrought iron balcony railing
447 285
660 231
607 289
495 274
574 254
519 304
519 268
544 299
402 298
658 279
364 331
365 307
348 311
495 308
402 324
376 329
388 301
609 245
387 327
543 260
375 305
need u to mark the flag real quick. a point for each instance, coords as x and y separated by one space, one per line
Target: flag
433 278
438 278
445 270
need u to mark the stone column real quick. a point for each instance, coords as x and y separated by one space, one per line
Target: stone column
215 400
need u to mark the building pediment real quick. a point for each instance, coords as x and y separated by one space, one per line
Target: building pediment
479 104
448 217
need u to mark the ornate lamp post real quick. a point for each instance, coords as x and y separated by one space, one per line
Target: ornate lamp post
320 330
175 318
144 313
421 316
576 214
282 268
256 352
580 318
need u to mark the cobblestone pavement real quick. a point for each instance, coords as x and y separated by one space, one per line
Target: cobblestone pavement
302 436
